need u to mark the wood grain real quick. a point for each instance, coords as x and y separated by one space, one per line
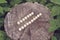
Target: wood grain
38 30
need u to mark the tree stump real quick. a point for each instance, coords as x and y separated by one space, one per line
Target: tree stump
17 22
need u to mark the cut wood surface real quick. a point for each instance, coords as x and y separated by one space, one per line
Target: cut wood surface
38 30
